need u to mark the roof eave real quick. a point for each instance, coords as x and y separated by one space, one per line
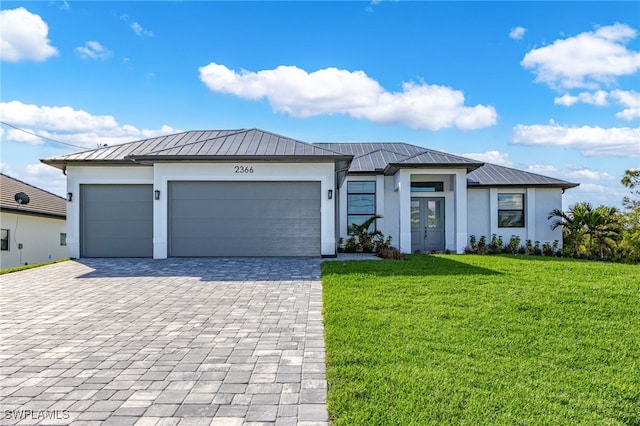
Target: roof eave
150 159
563 185
63 163
24 211
392 168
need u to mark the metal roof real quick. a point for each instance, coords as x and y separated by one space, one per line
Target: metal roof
385 157
255 144
494 175
206 145
41 202
388 157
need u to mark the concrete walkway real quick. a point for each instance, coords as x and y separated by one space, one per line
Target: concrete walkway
163 342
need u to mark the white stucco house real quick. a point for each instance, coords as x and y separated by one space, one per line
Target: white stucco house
248 192
34 232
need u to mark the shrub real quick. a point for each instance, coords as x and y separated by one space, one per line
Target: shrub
536 249
473 243
514 244
391 253
495 246
482 245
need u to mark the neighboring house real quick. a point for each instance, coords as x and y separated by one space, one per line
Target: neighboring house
254 193
33 232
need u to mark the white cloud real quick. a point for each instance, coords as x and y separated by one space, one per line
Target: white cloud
598 98
139 30
69 125
517 33
590 141
627 98
5 168
45 177
295 92
93 50
23 36
39 175
494 157
586 60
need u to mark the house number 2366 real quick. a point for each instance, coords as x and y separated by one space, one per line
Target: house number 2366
244 169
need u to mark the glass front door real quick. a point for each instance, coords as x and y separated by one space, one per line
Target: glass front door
427 224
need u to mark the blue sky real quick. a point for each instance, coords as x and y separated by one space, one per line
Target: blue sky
548 87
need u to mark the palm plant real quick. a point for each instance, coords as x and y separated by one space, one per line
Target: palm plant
366 239
600 226
605 229
572 223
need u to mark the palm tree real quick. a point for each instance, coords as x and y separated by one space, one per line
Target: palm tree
606 229
573 225
601 225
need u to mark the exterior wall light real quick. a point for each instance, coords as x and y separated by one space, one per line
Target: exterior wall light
156 194
330 194
69 196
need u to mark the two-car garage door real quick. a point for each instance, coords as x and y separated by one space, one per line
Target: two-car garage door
204 219
244 218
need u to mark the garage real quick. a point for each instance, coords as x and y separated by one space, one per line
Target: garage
116 220
244 218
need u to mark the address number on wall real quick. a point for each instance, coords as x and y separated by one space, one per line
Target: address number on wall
243 169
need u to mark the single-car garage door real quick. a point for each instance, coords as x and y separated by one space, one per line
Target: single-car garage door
244 218
116 220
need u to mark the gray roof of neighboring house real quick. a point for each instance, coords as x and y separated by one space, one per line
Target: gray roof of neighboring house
41 202
203 145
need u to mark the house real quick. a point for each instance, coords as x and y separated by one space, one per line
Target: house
33 231
248 192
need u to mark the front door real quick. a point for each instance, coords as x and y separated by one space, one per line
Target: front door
427 224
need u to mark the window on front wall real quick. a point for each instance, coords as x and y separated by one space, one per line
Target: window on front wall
4 239
63 238
511 210
361 202
427 186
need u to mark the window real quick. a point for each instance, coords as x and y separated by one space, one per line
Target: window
427 187
361 202
63 238
4 239
511 210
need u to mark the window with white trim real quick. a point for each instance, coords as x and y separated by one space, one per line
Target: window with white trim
4 239
511 210
361 202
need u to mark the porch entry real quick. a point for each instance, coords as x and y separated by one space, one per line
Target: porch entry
427 224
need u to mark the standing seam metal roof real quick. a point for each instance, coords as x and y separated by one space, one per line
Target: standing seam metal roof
211 143
368 157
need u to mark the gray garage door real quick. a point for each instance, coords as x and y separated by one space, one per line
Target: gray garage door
244 218
116 220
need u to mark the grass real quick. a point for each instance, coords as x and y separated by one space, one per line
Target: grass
482 340
24 267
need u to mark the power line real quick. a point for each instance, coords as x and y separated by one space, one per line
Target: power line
40 136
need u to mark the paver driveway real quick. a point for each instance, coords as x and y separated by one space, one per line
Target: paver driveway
176 341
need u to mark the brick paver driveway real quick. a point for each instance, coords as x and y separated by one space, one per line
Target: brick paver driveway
176 341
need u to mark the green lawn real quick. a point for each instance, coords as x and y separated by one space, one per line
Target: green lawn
482 340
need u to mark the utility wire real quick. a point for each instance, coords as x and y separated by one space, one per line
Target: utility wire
40 136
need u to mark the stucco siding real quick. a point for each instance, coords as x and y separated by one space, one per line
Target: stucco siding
546 201
478 208
482 214
39 236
